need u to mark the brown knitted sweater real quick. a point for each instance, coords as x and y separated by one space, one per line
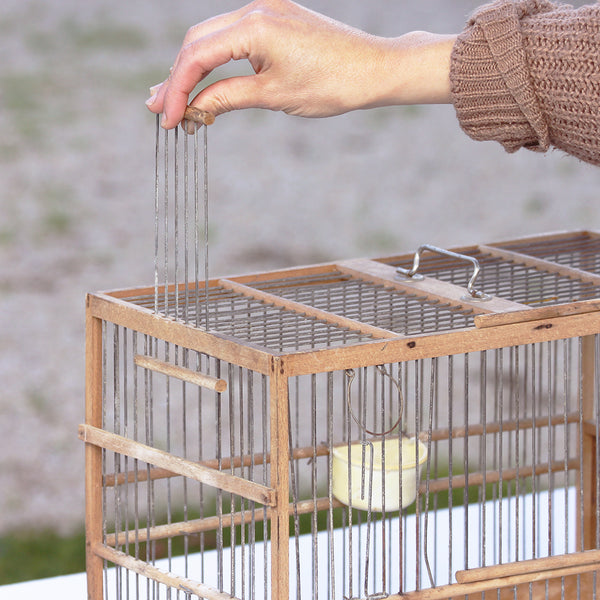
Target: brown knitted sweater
526 73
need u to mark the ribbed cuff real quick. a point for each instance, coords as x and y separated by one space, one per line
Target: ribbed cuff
491 86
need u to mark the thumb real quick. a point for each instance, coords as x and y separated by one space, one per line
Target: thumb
233 93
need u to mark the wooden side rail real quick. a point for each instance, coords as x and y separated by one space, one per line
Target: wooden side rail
151 572
212 523
489 579
183 373
260 458
180 466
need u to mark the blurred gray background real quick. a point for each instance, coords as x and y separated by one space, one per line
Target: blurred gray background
77 198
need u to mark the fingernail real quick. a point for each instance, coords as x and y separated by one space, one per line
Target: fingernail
164 120
154 89
151 100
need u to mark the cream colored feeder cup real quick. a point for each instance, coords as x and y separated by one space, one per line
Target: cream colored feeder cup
391 476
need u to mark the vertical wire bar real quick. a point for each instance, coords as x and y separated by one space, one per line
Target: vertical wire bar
146 416
530 367
500 404
483 458
551 404
176 195
348 437
580 478
330 516
265 445
242 451
104 453
196 233
186 219
125 457
509 459
566 394
166 221
535 435
402 395
314 525
184 443
394 407
293 435
206 226
450 462
417 420
251 475
466 461
136 483
382 545
432 386
363 549
517 399
156 211
232 436
494 486
596 404
168 449
436 456
219 453
200 404
403 541
527 413
116 460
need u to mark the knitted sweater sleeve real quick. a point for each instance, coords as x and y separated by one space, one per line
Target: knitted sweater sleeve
526 73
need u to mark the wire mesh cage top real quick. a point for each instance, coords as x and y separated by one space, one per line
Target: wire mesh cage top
361 301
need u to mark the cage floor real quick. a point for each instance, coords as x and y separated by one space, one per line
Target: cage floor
446 555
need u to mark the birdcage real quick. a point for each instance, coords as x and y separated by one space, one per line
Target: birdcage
421 426
364 429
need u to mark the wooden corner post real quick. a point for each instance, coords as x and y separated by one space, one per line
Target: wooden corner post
587 523
93 455
280 468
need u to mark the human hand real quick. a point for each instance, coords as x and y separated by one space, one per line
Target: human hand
304 64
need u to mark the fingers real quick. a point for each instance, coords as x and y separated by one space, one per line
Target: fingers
304 64
205 47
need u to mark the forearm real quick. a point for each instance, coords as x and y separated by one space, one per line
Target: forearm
524 74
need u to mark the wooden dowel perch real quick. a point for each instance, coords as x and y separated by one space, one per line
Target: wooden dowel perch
159 366
589 558
193 118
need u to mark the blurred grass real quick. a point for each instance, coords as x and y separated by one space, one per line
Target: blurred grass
40 554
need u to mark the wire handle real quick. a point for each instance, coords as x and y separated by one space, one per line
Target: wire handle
411 273
351 375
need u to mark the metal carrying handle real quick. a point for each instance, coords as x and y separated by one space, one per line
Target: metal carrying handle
411 273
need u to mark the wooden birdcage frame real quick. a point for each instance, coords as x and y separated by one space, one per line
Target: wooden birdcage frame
461 323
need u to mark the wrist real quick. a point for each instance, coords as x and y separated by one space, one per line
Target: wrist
414 69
